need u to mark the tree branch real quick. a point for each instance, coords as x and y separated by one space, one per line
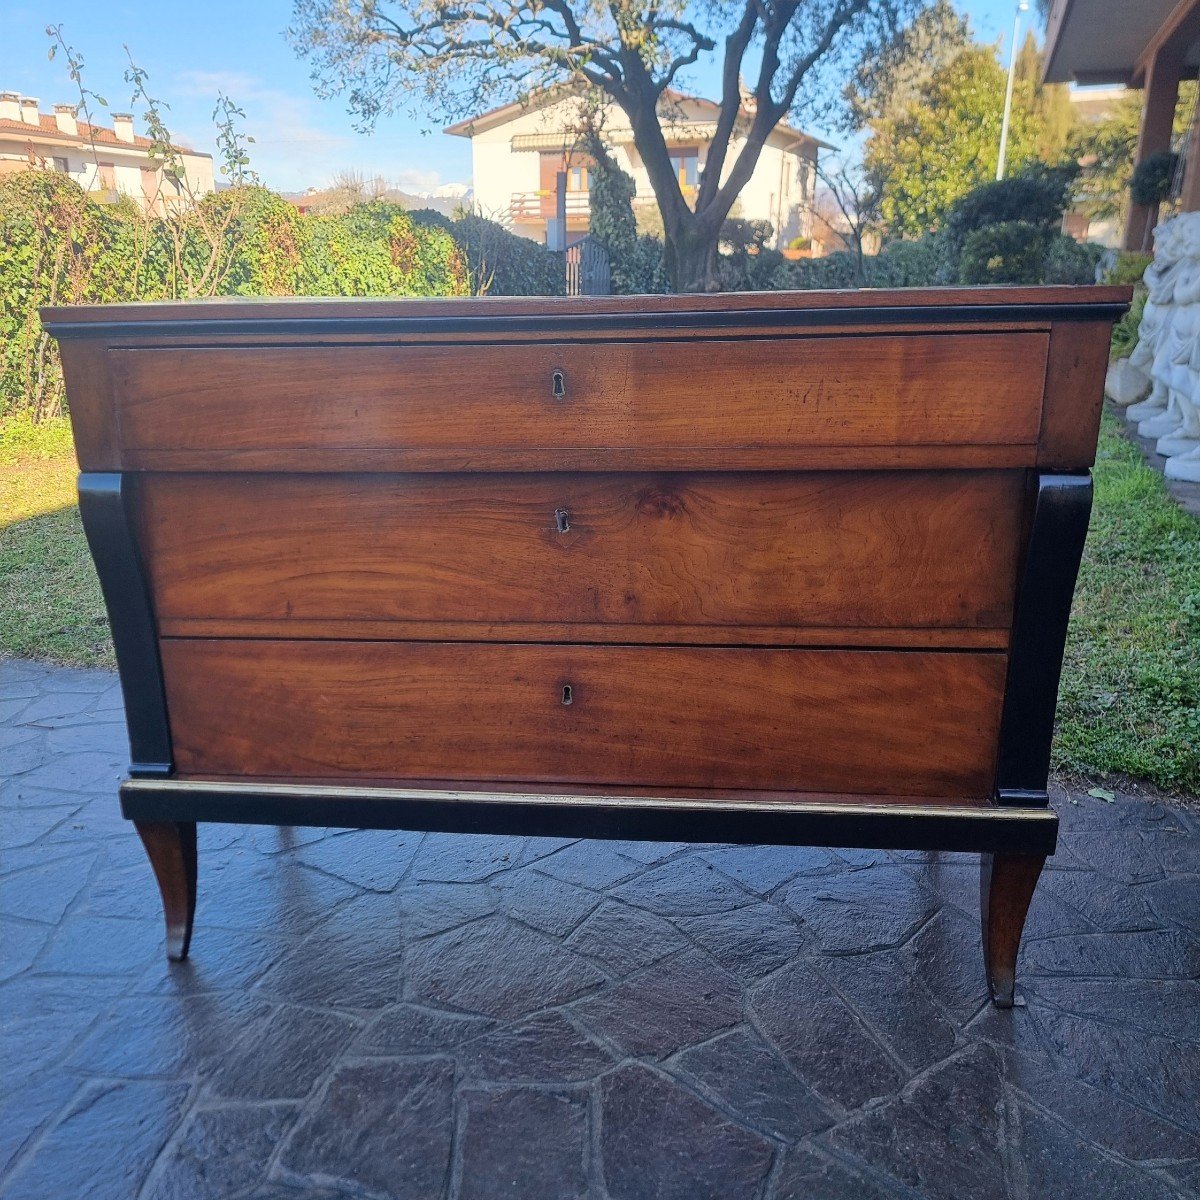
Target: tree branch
736 45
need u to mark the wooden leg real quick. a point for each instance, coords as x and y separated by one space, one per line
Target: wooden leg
1006 883
171 846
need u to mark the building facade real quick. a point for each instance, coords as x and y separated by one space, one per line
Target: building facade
517 152
105 162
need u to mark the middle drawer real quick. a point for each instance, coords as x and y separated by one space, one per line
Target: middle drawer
883 551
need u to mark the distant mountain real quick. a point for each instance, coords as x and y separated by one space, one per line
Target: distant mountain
444 199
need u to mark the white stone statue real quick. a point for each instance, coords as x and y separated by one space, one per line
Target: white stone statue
1155 328
1167 357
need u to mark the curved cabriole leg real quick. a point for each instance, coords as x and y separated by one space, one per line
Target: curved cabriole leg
1006 883
171 846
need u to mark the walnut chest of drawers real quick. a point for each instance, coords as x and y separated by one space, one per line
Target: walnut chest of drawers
761 568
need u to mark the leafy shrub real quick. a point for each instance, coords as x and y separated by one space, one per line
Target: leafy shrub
1010 252
610 219
432 218
59 246
56 247
747 263
1129 267
920 262
1069 261
1125 332
377 249
1152 178
1036 196
497 262
263 241
833 271
643 270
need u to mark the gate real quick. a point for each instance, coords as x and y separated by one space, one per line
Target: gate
587 269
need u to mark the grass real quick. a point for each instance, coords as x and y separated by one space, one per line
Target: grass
1130 696
50 605
1130 699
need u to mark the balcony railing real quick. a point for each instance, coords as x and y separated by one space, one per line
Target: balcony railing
538 206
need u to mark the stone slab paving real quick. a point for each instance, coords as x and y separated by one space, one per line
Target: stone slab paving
396 1015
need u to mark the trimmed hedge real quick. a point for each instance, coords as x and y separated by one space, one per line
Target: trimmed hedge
377 249
60 246
498 263
56 247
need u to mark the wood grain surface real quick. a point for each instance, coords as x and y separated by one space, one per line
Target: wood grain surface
903 723
905 550
937 301
904 390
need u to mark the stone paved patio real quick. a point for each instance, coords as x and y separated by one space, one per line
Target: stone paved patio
393 1015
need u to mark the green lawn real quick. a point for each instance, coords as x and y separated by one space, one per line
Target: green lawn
50 604
1130 699
1130 696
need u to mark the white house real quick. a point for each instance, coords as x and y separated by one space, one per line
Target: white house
105 162
518 150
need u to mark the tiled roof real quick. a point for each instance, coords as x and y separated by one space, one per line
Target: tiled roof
497 116
48 127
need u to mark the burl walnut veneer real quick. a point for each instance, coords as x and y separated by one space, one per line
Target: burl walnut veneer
786 568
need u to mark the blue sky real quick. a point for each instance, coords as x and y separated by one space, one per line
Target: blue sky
193 50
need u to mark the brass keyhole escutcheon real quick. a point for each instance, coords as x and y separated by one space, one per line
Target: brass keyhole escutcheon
568 695
558 385
562 520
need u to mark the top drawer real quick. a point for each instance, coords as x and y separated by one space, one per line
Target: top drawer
895 390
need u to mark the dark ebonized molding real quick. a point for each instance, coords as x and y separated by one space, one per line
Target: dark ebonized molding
1043 608
876 826
559 323
105 504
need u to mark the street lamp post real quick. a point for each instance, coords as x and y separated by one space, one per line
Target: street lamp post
1023 6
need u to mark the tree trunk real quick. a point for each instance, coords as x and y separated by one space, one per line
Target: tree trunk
692 237
691 259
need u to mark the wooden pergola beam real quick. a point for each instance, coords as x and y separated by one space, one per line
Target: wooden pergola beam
1159 70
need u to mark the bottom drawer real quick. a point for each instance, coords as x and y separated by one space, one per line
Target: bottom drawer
899 723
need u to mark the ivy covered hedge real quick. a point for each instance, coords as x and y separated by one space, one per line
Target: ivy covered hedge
499 263
56 247
59 246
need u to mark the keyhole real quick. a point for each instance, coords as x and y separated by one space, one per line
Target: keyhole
568 695
558 384
562 520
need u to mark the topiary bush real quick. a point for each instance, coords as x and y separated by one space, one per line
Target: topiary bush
921 262
1069 261
1036 196
746 263
917 262
644 270
834 271
1012 252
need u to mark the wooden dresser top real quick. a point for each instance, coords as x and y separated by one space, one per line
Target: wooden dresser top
852 307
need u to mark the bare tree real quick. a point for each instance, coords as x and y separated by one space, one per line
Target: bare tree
197 229
849 206
462 55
